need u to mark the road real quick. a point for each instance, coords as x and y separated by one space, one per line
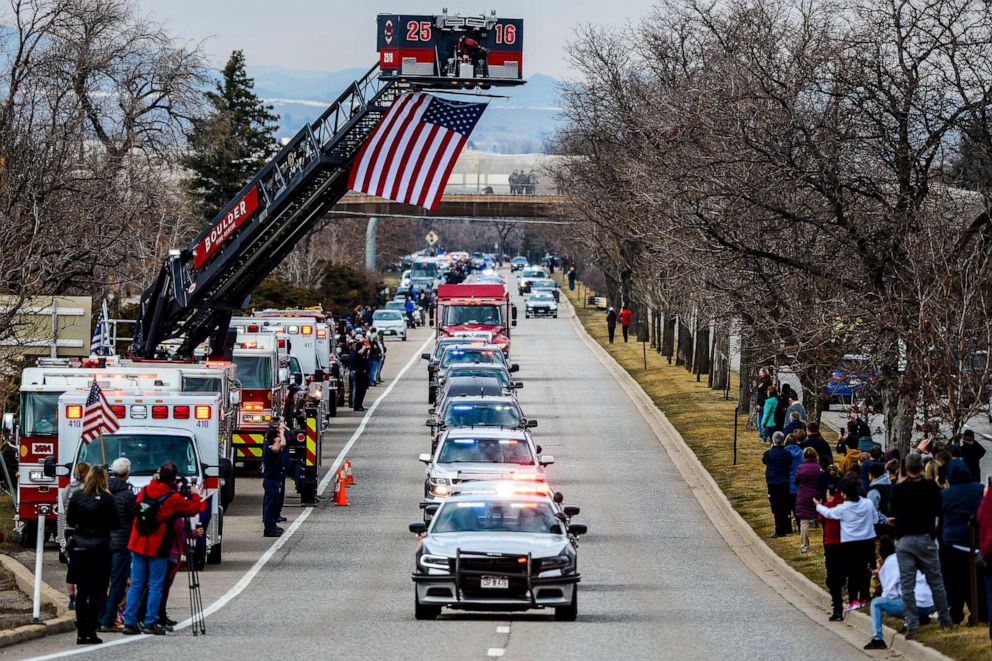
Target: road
658 579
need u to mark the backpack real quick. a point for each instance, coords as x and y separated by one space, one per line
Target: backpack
146 521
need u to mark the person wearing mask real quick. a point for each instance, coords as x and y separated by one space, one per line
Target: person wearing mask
625 315
818 443
158 504
857 518
92 515
972 453
778 461
833 552
611 323
959 505
915 507
79 475
120 557
762 384
768 413
891 602
807 480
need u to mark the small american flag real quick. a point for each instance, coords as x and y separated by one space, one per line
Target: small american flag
409 156
97 417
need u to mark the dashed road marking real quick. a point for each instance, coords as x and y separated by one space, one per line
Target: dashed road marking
495 651
503 629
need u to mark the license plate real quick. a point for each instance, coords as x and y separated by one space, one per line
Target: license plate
499 582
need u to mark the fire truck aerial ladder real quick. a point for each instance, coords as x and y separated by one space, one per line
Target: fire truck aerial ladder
199 287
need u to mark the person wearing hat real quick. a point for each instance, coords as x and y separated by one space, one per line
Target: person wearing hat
972 453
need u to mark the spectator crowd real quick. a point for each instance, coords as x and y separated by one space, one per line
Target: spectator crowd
905 536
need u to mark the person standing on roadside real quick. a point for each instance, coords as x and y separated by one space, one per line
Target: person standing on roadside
92 514
120 557
778 461
857 518
984 519
833 552
767 418
611 323
571 279
273 479
762 384
625 315
818 443
360 371
375 356
915 507
82 468
959 506
807 480
972 453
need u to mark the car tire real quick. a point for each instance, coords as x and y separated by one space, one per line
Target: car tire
424 611
554 316
404 338
227 491
431 395
571 612
332 406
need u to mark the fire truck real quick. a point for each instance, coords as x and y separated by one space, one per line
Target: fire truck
475 311
41 388
156 425
263 374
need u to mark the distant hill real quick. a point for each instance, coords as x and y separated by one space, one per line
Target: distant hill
519 125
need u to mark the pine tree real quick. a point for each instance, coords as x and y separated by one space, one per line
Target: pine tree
231 143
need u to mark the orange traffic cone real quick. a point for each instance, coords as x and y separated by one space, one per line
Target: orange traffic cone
341 490
349 477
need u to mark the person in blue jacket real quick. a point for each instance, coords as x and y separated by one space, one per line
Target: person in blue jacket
778 463
959 505
796 452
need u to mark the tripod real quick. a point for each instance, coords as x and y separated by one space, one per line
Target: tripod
197 619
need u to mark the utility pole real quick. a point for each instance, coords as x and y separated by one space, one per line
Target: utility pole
370 234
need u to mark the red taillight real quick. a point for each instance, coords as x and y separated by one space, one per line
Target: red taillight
119 411
160 412
202 412
306 330
180 412
74 412
253 329
282 343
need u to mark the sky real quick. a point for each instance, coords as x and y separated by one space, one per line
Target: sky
331 35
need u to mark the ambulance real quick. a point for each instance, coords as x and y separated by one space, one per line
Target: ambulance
156 426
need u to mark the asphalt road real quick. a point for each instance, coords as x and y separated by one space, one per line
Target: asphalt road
658 580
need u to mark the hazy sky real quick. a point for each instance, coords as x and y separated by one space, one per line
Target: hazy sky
338 34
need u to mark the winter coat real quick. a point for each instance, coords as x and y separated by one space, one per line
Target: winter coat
806 480
611 319
792 426
768 414
985 525
958 504
972 454
625 315
866 443
822 448
777 461
781 406
127 508
796 407
159 542
831 527
797 460
92 517
761 391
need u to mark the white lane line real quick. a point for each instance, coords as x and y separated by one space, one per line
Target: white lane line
503 629
495 651
245 580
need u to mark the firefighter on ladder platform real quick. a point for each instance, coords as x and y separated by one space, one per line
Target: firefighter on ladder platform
469 49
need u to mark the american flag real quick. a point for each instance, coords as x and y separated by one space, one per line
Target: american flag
409 156
100 344
97 417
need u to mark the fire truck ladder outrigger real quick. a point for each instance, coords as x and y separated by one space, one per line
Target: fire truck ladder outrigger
198 288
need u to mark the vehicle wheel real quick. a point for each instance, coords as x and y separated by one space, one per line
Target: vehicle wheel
424 611
28 535
554 316
404 337
227 491
570 612
431 395
215 554
332 406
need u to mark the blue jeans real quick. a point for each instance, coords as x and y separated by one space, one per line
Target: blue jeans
147 572
374 367
882 606
120 568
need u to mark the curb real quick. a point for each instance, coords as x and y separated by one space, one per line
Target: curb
64 621
794 587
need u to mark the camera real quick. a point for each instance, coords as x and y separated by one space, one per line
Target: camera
184 488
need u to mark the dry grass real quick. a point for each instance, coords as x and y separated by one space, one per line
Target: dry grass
706 422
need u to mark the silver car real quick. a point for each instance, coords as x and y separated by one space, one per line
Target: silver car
496 553
390 322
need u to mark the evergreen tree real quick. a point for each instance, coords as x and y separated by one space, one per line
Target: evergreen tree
231 143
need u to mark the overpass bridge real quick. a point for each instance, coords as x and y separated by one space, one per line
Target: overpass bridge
462 205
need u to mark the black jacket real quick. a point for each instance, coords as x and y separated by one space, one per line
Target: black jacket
92 516
127 509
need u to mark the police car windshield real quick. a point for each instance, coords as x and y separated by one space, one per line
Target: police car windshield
485 450
476 370
482 414
146 451
467 355
457 315
39 412
493 516
254 372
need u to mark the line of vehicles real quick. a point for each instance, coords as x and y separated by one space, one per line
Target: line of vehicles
495 536
206 415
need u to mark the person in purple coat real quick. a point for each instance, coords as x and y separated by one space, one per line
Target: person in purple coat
806 480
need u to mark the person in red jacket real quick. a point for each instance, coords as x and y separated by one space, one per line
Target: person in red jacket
833 555
984 518
625 314
150 552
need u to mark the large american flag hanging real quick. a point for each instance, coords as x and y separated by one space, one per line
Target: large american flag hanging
409 156
97 416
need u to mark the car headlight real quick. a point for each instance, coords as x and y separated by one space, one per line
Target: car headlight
432 561
558 562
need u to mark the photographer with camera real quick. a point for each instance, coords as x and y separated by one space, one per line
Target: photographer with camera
275 462
151 542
